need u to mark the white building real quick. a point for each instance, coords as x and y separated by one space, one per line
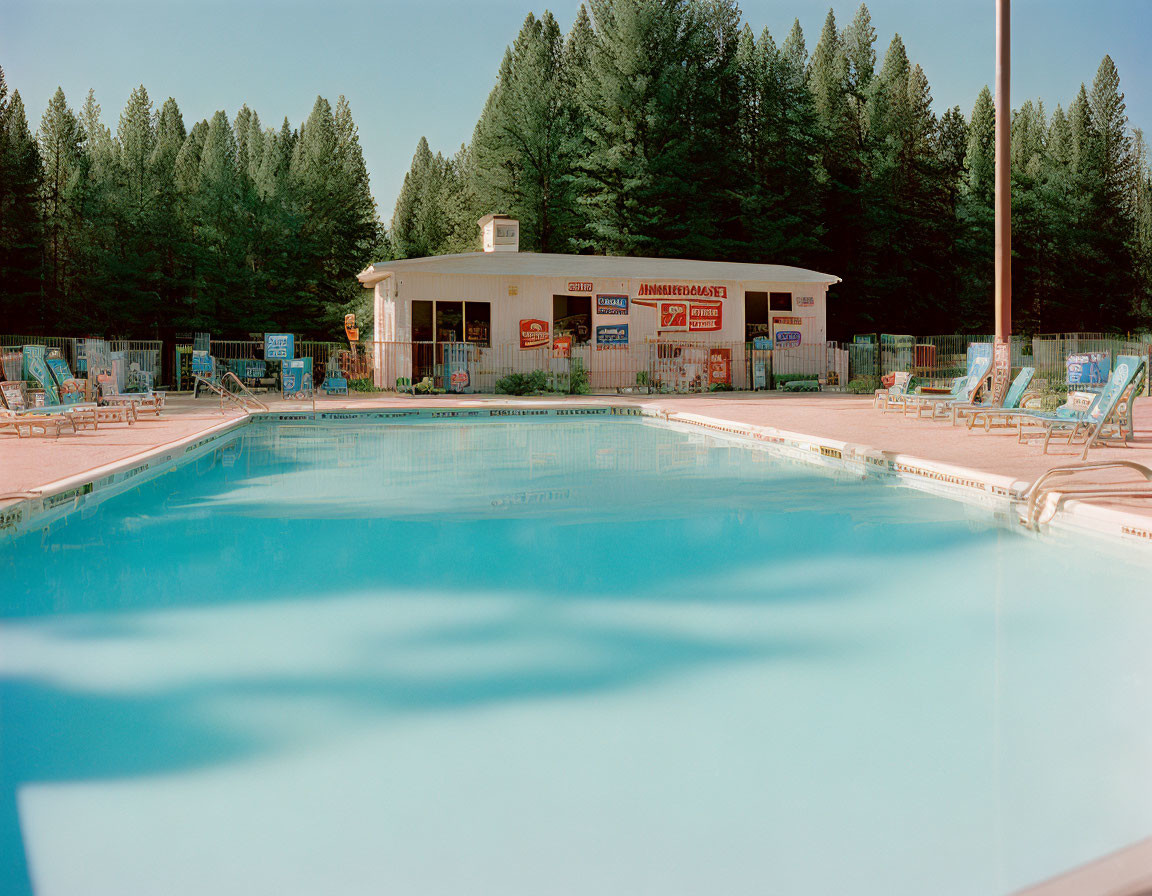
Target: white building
514 308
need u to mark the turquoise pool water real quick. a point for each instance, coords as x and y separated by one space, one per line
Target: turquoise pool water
562 658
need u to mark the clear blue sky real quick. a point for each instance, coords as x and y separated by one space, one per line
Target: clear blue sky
425 68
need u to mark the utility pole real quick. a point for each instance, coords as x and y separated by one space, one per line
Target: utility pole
1003 226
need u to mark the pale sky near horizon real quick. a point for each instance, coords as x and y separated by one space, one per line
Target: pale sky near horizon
425 68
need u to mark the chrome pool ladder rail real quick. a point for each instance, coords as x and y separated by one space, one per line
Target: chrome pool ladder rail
1039 490
241 399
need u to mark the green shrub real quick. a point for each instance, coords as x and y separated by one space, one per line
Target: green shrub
863 385
364 384
720 387
812 385
578 379
779 379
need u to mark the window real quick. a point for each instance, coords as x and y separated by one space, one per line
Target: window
477 322
422 322
756 319
780 301
572 316
449 321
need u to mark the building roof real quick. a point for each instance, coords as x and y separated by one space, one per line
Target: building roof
591 267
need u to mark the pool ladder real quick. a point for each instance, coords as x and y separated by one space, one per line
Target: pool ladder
1035 497
244 398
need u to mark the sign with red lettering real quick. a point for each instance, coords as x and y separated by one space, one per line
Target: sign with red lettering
704 316
673 315
720 366
534 334
682 290
579 286
562 347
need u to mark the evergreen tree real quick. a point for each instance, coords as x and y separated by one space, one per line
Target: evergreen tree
20 225
59 138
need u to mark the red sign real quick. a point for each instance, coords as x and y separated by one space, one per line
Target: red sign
579 286
534 333
705 316
562 347
720 366
687 290
673 315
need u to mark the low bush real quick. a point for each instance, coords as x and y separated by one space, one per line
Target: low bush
863 385
779 379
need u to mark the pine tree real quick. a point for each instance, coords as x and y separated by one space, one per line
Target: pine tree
59 138
21 236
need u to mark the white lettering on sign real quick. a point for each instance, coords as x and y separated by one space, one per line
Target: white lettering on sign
579 286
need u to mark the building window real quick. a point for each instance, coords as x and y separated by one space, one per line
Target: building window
780 301
449 321
477 322
572 316
756 319
422 322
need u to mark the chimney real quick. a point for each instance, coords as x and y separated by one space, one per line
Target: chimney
500 233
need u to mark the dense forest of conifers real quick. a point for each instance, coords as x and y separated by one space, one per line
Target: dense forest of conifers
228 226
652 128
671 129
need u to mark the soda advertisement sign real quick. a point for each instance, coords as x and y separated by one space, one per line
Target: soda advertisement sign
459 380
611 304
562 347
785 336
278 346
579 286
705 316
720 366
534 334
612 336
1089 368
805 301
673 315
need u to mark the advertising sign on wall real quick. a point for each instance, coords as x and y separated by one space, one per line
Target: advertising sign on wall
201 363
534 333
720 366
611 304
579 286
278 346
804 301
673 315
562 347
682 290
1089 368
611 336
785 335
705 316
761 343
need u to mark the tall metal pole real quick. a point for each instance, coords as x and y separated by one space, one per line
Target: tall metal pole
1003 170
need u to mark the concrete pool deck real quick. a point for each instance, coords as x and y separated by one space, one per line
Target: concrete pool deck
27 465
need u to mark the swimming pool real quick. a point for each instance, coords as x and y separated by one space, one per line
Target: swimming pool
558 657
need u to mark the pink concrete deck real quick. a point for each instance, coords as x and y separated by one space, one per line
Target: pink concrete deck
31 463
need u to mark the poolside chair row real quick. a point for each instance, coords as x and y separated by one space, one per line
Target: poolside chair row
16 416
1099 418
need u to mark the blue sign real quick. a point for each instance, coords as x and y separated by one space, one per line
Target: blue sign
296 376
612 305
201 362
616 334
761 343
278 347
787 338
1089 369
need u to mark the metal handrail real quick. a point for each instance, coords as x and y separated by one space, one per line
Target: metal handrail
246 394
1034 492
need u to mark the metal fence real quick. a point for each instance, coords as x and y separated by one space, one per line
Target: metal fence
655 366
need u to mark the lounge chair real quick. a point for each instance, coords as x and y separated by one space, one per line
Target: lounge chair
25 425
964 390
1014 399
894 395
1123 383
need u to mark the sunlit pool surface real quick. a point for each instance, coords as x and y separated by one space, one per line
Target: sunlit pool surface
558 658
